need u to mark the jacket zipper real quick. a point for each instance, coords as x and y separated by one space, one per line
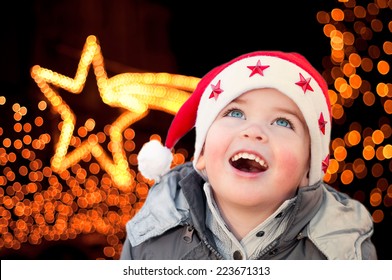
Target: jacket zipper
269 249
212 249
188 235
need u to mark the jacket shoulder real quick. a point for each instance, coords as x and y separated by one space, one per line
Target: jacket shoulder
341 227
178 243
165 207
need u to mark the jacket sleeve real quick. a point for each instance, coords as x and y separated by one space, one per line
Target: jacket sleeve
126 250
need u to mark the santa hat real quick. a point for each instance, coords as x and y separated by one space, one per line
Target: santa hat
290 73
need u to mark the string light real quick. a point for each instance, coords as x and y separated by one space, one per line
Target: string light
134 92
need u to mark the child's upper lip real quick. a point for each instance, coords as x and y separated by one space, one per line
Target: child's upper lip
250 161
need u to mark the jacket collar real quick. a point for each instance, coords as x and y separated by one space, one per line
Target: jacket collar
183 187
166 206
340 236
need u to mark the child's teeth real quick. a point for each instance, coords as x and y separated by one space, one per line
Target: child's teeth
248 156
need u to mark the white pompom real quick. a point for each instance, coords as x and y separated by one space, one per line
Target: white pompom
154 160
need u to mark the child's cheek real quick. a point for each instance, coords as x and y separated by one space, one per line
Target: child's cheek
290 163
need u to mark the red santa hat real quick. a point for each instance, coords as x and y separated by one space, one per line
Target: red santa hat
290 73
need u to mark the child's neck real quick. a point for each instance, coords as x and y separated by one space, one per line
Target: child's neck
242 220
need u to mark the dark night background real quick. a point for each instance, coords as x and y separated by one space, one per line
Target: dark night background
183 37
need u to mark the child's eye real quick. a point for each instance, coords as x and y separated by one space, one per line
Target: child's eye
235 113
284 122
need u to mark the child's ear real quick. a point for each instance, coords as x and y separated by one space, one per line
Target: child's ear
305 179
201 163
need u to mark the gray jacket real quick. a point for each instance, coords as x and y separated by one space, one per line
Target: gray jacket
327 224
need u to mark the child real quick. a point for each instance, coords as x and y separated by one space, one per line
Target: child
254 189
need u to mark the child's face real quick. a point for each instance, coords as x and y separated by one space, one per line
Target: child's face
256 151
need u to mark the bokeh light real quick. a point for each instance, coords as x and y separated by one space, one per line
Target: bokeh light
91 184
358 71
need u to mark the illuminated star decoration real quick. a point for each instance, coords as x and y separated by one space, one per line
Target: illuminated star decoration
216 90
304 83
258 69
135 92
322 122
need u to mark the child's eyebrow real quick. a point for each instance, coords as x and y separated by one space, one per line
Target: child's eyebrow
295 113
241 101
290 111
238 100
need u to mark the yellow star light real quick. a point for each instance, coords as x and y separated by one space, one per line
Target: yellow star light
134 92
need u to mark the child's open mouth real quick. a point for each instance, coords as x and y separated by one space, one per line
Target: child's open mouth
248 162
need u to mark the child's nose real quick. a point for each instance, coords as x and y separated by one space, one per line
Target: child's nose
254 132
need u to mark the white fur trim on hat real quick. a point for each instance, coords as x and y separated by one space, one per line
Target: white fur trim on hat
154 160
